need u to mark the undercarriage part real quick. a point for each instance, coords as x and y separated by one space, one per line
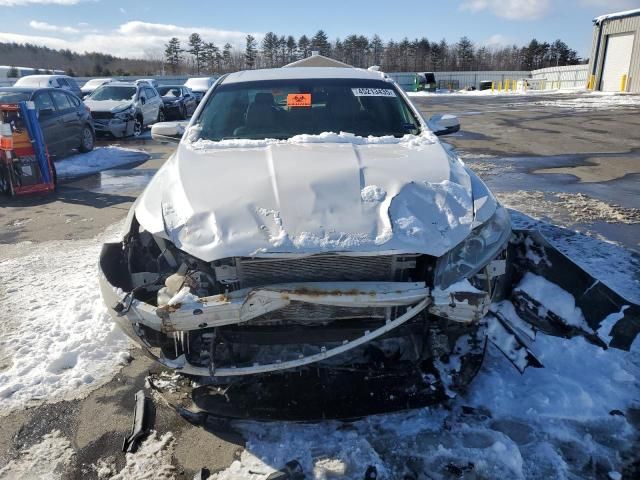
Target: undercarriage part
385 383
140 425
531 252
512 345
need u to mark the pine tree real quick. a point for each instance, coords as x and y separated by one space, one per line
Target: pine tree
269 48
291 49
465 54
226 56
173 54
377 49
196 44
250 52
304 46
320 42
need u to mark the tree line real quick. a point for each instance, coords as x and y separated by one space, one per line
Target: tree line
88 64
201 57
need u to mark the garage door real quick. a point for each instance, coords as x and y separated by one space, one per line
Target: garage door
616 61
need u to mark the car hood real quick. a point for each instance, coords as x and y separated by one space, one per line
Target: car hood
248 198
107 105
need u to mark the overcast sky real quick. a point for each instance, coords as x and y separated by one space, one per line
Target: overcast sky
136 29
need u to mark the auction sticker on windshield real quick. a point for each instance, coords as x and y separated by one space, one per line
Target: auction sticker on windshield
373 92
299 100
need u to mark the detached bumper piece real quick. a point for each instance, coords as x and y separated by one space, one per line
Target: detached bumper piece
531 252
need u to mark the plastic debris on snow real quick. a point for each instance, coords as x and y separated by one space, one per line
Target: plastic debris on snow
100 158
554 298
56 339
44 460
410 141
553 422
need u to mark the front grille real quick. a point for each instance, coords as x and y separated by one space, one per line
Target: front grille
101 115
254 272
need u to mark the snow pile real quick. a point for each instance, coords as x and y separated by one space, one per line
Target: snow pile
373 194
591 101
152 460
101 158
44 460
56 339
411 141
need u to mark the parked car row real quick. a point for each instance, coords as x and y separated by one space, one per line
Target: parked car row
71 116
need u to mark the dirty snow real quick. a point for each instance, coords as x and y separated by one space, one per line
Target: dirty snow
100 158
152 461
412 141
580 208
56 339
44 460
579 99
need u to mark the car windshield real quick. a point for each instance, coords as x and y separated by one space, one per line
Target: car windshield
112 92
282 109
169 91
13 97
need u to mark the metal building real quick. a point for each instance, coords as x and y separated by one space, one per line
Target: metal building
615 54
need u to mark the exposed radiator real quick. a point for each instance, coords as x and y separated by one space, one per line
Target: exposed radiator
323 268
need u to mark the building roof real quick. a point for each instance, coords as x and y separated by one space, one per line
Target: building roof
317 60
613 16
297 73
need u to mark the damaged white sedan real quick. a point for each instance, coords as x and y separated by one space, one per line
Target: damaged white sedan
311 220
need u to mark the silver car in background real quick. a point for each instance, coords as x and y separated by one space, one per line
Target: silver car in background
122 109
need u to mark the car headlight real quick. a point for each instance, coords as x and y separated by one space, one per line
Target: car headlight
476 251
125 114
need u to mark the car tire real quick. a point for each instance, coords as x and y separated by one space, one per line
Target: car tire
138 126
87 139
160 115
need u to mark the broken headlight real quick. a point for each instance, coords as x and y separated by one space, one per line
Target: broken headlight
476 251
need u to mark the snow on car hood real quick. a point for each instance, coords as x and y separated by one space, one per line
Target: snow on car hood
107 105
311 194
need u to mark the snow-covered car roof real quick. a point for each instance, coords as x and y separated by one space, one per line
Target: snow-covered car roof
296 73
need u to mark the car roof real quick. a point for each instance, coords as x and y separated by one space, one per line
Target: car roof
298 73
31 89
123 84
44 76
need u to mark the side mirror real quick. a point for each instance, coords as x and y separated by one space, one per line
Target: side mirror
168 131
444 124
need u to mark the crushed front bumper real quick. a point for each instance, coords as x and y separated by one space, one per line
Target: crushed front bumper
140 319
116 127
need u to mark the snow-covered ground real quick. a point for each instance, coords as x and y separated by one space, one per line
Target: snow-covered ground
580 99
56 339
101 158
568 420
48 459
